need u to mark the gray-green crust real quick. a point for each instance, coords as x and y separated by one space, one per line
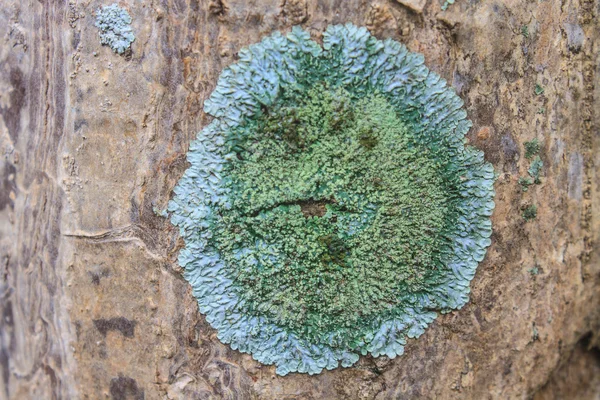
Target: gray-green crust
114 24
205 197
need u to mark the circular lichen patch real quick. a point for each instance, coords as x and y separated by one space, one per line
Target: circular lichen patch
332 206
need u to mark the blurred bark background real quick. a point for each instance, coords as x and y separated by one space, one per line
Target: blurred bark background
92 302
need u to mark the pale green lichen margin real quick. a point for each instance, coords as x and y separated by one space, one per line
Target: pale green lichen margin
431 109
114 24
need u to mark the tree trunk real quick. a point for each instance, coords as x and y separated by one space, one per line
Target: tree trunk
92 301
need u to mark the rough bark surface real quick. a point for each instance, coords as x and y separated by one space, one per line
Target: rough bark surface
92 302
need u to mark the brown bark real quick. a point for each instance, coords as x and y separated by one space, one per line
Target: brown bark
92 301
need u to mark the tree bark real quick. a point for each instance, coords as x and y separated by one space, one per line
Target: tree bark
92 301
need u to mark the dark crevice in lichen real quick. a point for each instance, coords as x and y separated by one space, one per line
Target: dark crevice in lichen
309 208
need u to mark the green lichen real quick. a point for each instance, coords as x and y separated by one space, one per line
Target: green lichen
332 207
525 31
535 169
532 148
539 89
525 183
534 271
390 204
160 212
114 24
530 213
447 4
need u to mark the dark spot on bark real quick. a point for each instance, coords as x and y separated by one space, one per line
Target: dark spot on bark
461 83
478 315
5 369
125 388
79 123
484 111
127 54
501 151
7 185
255 19
194 5
7 315
77 329
134 213
12 113
589 343
121 324
510 151
95 278
216 7
7 336
76 38
53 380
507 368
55 233
575 37
58 110
96 273
102 353
509 246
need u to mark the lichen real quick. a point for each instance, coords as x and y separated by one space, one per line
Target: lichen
530 213
532 148
331 207
535 169
525 183
539 89
534 271
447 4
114 24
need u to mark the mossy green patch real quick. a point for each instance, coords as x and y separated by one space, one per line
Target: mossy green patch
390 206
535 169
530 213
532 148
525 183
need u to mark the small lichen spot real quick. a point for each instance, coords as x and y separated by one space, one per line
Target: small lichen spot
535 169
532 148
530 213
114 24
447 4
539 89
525 183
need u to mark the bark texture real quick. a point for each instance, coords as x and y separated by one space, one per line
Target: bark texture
92 302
